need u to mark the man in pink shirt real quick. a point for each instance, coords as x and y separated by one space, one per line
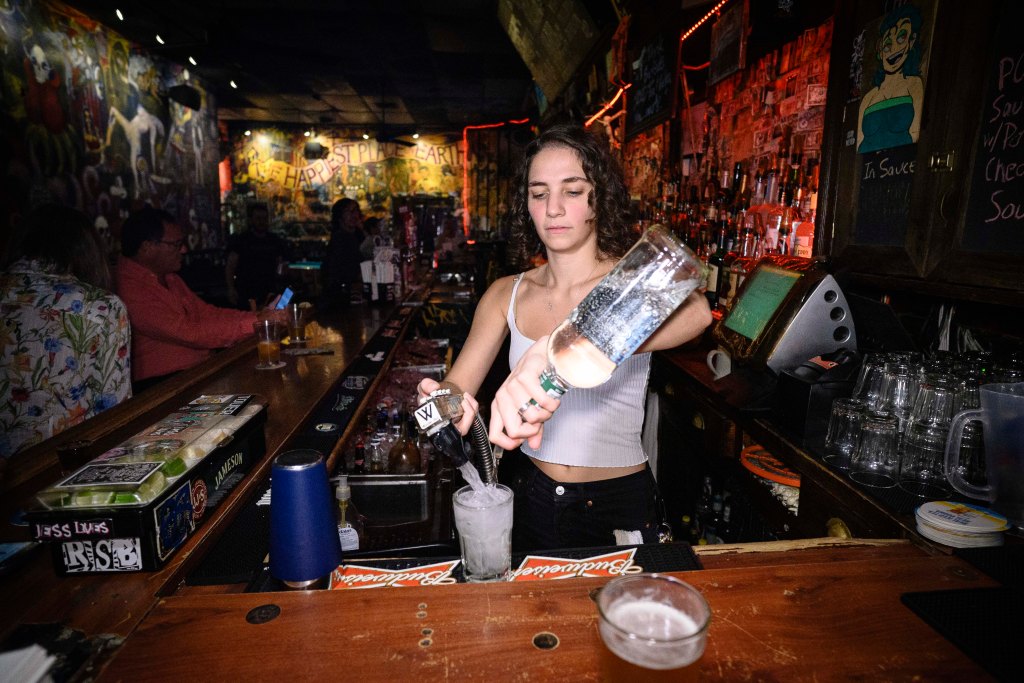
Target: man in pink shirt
172 328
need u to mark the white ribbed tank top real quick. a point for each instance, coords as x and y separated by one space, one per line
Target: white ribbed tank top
598 427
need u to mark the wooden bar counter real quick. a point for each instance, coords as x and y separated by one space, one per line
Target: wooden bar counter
796 610
786 611
115 603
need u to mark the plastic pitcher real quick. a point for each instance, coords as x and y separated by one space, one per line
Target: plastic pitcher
1002 419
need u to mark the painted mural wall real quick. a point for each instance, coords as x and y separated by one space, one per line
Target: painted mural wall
85 120
270 165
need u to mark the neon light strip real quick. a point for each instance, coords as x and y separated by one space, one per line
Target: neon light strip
703 19
607 106
465 165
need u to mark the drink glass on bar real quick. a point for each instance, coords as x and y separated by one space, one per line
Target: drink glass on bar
653 627
297 318
484 521
268 344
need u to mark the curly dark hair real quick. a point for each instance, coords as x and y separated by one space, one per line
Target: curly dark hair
609 199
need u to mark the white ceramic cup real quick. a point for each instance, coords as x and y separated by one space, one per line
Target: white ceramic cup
719 363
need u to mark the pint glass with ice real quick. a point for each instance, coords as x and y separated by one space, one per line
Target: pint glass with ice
484 521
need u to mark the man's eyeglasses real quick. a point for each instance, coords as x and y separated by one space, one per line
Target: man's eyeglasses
177 244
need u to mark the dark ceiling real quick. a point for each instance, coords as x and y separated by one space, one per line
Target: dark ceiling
433 66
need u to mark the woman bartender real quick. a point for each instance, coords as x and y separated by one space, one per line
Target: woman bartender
588 482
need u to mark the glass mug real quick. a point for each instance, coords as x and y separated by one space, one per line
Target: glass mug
1002 418
719 363
653 627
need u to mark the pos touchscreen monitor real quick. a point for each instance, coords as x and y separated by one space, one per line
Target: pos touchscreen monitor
788 310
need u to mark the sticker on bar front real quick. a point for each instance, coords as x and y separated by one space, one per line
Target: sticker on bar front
105 555
358 576
538 567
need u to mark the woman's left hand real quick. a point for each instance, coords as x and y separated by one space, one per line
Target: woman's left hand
521 406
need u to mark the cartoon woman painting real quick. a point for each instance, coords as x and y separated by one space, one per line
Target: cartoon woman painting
890 113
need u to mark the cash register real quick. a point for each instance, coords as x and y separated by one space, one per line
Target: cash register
788 311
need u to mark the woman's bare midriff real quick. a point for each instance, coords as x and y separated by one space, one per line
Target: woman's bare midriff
576 475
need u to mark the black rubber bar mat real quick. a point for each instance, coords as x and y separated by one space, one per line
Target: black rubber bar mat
652 557
238 554
1003 563
896 499
983 622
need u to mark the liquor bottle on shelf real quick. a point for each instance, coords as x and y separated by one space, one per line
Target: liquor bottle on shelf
739 186
757 196
748 250
404 456
716 265
377 454
727 533
713 527
785 230
730 276
772 181
707 492
350 522
359 457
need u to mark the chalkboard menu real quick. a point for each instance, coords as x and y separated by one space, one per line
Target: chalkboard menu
883 202
652 76
727 43
995 210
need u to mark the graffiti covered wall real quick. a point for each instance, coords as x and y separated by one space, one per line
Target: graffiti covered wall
270 165
86 121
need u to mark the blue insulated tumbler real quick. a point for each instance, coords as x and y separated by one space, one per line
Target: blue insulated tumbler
304 544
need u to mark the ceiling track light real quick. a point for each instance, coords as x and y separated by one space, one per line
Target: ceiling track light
159 39
248 133
415 136
192 61
366 136
233 84
119 15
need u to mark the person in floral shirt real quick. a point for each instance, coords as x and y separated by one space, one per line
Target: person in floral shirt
64 338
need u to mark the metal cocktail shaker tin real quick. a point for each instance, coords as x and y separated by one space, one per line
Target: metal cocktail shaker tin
304 544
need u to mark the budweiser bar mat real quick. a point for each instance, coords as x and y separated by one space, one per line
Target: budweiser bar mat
979 621
552 564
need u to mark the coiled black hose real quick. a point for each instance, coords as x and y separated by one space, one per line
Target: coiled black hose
483 455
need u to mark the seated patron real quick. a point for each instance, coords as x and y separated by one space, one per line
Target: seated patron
64 338
172 328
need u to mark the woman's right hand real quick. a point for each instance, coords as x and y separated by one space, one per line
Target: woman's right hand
470 406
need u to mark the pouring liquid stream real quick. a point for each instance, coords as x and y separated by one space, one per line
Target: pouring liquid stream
484 494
